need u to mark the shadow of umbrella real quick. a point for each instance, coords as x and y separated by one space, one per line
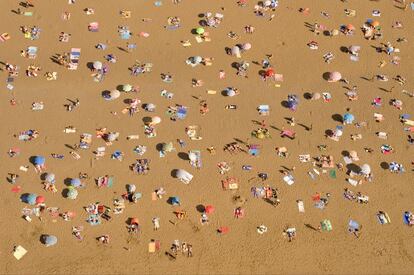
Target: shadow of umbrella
337 118
344 49
384 165
326 76
200 208
183 156
307 96
159 146
354 168
174 173
146 120
345 153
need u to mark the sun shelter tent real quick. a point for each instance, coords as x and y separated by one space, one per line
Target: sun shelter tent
195 158
48 240
74 58
184 176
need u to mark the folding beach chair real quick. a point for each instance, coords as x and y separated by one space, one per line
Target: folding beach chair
263 110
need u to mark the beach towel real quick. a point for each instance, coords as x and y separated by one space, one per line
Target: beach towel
301 206
93 27
289 179
19 252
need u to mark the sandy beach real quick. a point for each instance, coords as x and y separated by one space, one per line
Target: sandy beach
379 248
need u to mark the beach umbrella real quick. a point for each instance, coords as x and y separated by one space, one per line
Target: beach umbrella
375 24
196 59
230 92
175 200
150 107
192 156
270 72
72 193
394 166
134 221
365 169
350 27
114 94
334 77
49 240
354 155
29 198
155 120
127 88
50 178
39 160
200 30
235 51
348 118
112 136
354 49
315 96
183 175
76 182
40 199
131 188
136 196
167 147
246 46
208 209
97 65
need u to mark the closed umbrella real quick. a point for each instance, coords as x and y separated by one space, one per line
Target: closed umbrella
97 65
72 193
334 77
48 240
76 182
208 209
